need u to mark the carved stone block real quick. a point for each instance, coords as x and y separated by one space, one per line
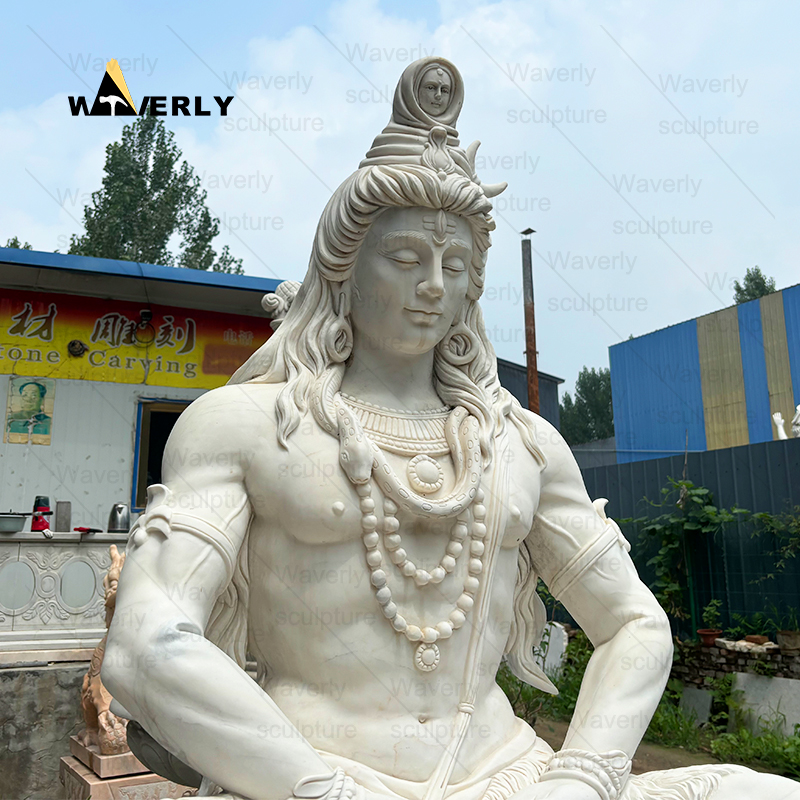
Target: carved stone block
106 766
80 783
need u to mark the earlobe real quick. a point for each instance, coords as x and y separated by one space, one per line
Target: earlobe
342 299
460 343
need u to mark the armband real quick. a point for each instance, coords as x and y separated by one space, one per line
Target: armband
588 555
161 517
578 564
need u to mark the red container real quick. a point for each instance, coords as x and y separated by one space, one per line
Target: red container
41 510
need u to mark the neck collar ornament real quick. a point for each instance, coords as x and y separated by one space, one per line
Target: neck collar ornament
405 433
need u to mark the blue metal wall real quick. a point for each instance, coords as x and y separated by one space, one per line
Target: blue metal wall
754 367
718 378
656 392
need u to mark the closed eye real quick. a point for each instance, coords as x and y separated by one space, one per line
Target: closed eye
405 257
454 265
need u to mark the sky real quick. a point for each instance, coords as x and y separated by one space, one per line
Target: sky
651 145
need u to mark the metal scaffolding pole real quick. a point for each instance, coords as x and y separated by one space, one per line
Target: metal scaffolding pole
530 322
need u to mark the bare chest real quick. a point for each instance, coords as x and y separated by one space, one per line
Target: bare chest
304 490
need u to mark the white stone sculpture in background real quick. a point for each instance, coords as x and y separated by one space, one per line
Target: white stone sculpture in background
553 648
777 418
367 512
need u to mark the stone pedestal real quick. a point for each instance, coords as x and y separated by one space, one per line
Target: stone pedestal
81 783
105 766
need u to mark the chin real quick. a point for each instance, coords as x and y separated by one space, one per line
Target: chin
418 342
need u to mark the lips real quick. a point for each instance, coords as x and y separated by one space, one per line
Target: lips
423 317
424 311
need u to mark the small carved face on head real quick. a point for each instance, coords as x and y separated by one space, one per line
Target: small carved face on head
411 279
435 91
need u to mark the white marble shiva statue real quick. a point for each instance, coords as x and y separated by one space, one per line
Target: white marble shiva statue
365 512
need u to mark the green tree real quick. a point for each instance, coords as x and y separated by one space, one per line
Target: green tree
756 284
17 244
590 416
148 198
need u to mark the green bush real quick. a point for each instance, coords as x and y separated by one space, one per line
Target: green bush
528 703
768 749
671 726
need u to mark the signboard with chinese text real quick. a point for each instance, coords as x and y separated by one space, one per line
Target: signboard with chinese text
173 347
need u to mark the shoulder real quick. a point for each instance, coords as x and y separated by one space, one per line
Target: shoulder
542 439
239 397
228 417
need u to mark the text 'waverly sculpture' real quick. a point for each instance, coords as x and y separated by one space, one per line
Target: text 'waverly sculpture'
366 512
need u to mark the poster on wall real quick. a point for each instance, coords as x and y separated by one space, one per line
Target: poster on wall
29 410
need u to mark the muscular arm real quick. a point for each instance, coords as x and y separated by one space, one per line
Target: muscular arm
187 693
583 559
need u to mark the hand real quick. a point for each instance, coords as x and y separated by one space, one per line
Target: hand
566 789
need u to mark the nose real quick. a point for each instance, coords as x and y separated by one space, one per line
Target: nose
432 288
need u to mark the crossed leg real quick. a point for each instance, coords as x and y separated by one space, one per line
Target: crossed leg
750 785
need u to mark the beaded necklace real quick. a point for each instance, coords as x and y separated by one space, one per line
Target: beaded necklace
465 503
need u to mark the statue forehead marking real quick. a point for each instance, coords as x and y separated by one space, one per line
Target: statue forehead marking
440 224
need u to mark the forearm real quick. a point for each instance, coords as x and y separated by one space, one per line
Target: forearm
188 694
206 710
622 687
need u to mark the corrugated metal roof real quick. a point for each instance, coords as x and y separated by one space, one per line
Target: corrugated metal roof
38 259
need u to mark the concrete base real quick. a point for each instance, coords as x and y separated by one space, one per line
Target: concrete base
80 783
106 766
698 702
771 703
40 708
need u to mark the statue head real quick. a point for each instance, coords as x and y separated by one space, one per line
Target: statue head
411 279
414 200
435 91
